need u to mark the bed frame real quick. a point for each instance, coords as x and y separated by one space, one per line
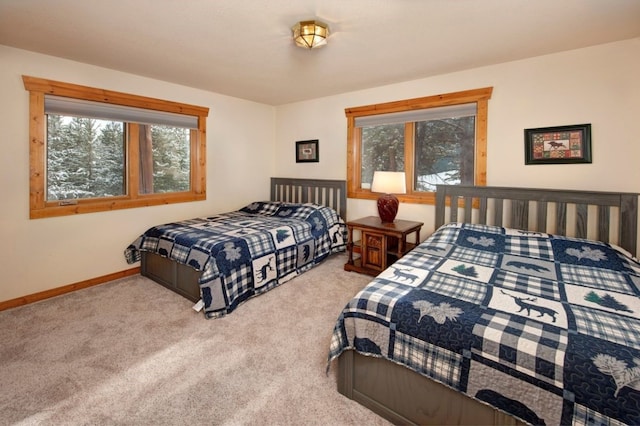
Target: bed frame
183 279
405 397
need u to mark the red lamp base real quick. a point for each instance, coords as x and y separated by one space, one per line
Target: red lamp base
387 208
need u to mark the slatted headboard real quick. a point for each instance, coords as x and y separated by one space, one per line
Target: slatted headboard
609 215
326 192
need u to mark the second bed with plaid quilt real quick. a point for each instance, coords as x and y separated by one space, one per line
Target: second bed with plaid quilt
545 328
246 252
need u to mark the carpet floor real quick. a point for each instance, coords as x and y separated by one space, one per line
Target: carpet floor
131 352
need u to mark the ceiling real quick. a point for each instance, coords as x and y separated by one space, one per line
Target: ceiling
243 48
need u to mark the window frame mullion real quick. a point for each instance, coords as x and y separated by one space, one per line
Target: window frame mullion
409 156
132 161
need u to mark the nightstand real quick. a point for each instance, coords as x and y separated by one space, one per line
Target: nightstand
380 244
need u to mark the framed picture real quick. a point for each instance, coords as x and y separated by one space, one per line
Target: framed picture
558 145
307 151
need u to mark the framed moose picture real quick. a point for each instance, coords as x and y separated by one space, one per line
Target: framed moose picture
558 145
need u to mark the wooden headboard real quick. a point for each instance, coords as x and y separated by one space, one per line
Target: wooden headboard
609 216
326 192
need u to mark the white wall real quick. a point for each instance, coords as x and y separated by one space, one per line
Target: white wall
37 255
597 85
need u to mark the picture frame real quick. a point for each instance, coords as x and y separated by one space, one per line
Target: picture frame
307 151
558 145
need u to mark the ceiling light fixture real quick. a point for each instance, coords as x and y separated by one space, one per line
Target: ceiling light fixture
310 34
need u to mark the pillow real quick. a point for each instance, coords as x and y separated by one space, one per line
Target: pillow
265 208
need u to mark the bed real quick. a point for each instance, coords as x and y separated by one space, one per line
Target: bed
521 308
222 260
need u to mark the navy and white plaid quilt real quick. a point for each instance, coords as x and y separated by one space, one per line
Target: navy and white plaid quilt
545 328
246 252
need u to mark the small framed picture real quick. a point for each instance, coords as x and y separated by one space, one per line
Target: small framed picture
307 151
558 145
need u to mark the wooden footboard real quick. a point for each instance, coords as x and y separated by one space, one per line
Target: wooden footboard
405 397
176 277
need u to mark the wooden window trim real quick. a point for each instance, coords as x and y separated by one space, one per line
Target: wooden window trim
40 208
354 140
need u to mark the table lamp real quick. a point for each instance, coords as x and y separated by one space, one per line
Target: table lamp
388 183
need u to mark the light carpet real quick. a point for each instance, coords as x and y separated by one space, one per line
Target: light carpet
131 352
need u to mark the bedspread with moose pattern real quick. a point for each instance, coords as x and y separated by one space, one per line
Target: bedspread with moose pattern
246 252
543 327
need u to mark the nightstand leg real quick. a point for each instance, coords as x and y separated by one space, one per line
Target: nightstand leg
350 244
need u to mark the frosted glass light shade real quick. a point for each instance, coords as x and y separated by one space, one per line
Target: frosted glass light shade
310 34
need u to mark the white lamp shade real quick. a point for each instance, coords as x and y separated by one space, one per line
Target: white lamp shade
389 182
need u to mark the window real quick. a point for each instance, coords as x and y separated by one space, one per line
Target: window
95 150
436 139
